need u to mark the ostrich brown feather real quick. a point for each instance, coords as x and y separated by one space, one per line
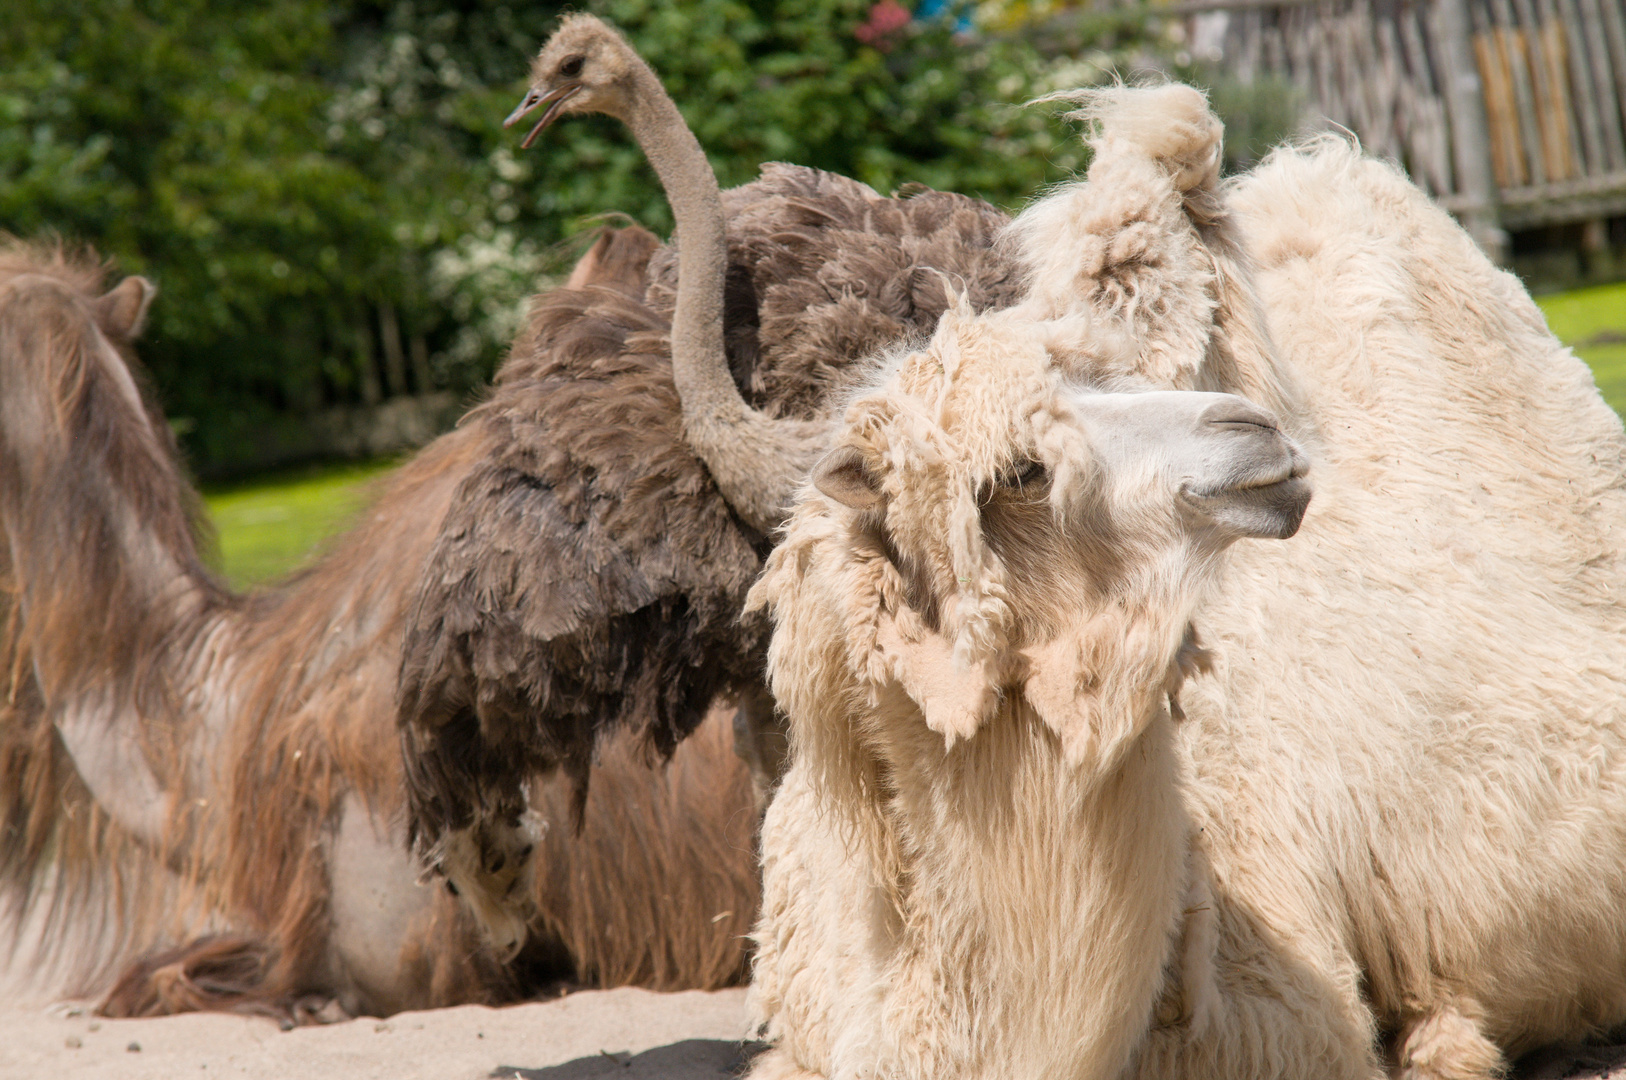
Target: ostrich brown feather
588 574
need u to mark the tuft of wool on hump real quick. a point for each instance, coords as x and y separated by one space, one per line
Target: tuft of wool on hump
1124 243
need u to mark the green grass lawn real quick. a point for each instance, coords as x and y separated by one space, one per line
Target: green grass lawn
1594 322
271 524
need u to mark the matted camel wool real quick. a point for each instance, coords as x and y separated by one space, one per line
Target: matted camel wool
1078 791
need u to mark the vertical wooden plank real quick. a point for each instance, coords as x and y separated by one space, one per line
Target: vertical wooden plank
1389 83
1580 72
1403 97
1499 117
1470 139
1353 65
1526 141
1558 90
1340 60
1615 28
1431 139
1422 27
1500 112
1603 84
1552 123
1325 67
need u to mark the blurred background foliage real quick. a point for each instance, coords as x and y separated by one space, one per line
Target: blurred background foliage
334 216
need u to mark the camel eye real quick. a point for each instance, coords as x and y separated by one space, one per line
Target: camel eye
1019 479
1026 474
572 67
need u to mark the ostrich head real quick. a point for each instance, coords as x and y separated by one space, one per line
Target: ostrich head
586 67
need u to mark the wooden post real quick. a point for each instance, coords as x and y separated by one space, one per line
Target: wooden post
1470 131
389 334
366 371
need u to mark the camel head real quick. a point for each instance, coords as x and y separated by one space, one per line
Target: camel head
990 527
586 67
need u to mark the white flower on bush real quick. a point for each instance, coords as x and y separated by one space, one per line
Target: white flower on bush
484 282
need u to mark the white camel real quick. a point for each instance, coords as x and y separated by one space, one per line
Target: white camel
1390 832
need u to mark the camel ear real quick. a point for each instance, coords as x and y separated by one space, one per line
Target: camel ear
954 699
845 476
123 311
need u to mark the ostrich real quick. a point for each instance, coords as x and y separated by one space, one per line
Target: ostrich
591 572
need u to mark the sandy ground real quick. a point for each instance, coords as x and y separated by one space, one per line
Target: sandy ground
627 1034
593 1035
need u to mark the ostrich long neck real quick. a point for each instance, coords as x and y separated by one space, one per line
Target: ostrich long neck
756 461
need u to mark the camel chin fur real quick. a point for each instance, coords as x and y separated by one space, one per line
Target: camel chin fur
1386 836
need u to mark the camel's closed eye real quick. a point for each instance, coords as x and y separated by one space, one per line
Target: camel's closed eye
1025 480
1026 474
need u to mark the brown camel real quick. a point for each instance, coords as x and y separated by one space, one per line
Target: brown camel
211 782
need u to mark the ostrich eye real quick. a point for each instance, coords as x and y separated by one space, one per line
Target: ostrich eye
571 68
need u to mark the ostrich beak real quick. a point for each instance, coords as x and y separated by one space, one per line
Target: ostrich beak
554 99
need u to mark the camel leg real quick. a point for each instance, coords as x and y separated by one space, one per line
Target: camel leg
1449 1044
376 903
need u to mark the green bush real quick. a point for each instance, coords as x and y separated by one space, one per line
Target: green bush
330 207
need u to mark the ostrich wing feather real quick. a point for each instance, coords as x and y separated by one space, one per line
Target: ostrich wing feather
589 575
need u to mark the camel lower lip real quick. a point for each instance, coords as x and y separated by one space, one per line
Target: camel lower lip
1256 485
1265 485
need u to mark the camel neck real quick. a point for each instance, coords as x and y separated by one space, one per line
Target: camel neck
1058 889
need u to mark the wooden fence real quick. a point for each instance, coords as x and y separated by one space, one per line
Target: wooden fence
1511 112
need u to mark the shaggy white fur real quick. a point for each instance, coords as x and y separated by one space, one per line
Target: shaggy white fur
1391 831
